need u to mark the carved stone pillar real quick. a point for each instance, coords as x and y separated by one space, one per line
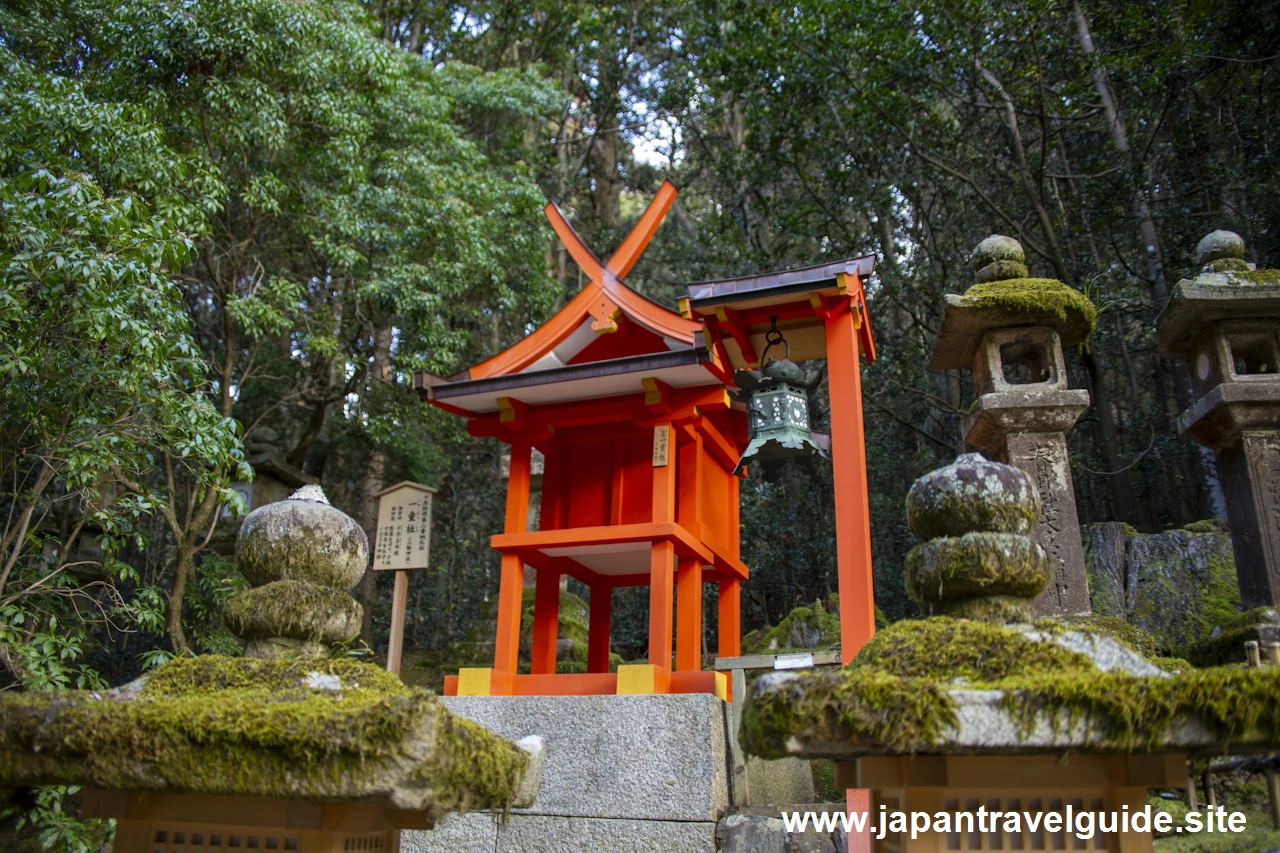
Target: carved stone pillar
1225 323
1010 330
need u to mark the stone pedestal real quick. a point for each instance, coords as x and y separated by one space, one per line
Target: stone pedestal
1225 323
1250 471
1028 430
621 773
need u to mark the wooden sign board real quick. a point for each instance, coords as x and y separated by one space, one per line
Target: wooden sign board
403 539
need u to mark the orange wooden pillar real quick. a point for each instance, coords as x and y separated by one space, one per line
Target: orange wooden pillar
506 653
598 628
662 553
689 615
546 622
849 464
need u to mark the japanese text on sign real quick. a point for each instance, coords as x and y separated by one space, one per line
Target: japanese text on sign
404 529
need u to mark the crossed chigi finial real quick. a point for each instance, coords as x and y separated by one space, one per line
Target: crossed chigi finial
609 275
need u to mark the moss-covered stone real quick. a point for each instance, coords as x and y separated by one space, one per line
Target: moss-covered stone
803 628
1225 644
301 540
1001 271
1137 712
996 248
1118 629
947 649
1219 245
1021 296
972 494
895 696
839 706
977 564
330 729
997 609
293 609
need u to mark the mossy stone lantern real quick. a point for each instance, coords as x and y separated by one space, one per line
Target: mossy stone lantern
1225 323
1011 330
290 749
979 712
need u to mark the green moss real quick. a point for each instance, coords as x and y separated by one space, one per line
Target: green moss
1020 296
222 725
1208 525
1228 645
467 772
1137 712
996 609
803 628
976 564
894 694
1117 629
295 609
948 649
843 706
1227 265
1266 278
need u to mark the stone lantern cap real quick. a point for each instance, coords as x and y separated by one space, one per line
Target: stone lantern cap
1011 299
1226 288
284 728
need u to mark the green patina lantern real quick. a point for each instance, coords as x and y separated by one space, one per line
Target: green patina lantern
777 400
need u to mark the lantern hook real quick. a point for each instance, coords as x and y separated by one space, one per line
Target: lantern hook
772 338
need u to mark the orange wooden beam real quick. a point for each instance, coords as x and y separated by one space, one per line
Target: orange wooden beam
546 622
662 553
729 621
506 653
727 319
598 627
689 615
629 252
849 463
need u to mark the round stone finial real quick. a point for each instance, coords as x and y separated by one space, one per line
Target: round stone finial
999 258
1218 245
978 561
312 493
302 538
301 555
972 495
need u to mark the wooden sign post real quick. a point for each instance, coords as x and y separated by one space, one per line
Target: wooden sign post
403 542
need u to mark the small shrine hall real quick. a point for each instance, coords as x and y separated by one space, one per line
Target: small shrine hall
629 404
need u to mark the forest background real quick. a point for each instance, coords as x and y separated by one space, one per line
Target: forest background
236 221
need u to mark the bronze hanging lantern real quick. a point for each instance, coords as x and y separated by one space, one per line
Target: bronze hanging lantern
777 399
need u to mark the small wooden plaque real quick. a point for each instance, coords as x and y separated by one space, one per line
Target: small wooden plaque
404 527
661 444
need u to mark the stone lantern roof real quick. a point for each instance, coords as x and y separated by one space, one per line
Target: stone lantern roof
291 721
1005 296
1227 287
996 683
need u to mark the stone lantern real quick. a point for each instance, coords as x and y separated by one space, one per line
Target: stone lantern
1010 330
1225 323
1002 733
288 748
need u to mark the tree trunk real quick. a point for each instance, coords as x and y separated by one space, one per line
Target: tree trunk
1121 485
173 619
374 473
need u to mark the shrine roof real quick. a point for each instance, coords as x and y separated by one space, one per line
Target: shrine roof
750 291
679 368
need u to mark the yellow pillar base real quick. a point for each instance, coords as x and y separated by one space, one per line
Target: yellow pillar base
639 679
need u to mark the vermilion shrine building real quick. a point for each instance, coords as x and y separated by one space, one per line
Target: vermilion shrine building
628 402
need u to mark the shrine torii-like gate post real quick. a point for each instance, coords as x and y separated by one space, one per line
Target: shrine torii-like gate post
822 312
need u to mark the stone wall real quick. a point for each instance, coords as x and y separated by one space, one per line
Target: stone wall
1179 586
